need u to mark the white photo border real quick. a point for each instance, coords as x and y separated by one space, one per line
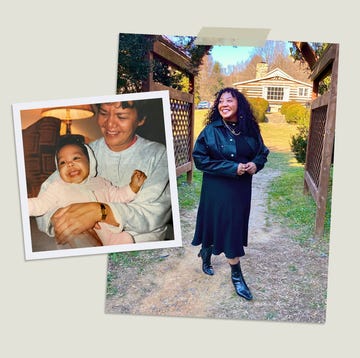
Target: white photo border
29 254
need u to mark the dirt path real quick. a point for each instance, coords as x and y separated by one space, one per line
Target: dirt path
288 282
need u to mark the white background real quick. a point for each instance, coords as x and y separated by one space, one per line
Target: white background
68 49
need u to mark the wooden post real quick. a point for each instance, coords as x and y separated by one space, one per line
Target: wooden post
327 150
189 174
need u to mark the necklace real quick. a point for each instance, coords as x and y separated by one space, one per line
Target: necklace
231 130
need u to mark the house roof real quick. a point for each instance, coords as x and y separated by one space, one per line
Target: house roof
277 72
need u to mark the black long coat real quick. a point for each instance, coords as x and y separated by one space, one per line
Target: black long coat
224 207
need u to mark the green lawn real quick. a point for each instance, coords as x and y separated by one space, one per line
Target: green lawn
285 197
277 135
199 121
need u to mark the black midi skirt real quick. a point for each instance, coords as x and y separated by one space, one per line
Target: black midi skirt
223 214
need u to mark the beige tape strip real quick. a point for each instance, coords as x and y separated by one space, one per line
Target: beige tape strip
232 36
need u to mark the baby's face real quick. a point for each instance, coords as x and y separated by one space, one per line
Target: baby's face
73 164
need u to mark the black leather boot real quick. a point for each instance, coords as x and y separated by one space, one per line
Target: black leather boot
205 254
240 285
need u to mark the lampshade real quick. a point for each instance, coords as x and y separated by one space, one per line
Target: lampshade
68 114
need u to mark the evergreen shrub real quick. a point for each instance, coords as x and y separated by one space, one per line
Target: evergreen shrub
298 143
259 107
295 113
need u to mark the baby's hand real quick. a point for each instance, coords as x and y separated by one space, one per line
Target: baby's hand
137 180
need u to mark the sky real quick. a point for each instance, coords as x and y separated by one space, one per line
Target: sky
230 55
227 55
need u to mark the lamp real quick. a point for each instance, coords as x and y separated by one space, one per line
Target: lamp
68 114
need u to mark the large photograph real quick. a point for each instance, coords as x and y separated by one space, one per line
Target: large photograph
253 131
97 175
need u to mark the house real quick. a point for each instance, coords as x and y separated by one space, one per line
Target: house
276 87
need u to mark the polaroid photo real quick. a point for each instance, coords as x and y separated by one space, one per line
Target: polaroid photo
97 175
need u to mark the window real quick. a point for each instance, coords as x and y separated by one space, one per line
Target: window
303 92
275 93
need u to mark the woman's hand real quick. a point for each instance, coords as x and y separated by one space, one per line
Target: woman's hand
250 168
75 219
241 169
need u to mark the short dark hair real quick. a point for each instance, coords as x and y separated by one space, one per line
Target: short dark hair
139 105
71 139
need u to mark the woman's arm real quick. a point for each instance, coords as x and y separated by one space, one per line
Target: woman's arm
206 162
261 156
75 219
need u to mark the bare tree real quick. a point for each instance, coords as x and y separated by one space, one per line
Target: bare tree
205 79
271 50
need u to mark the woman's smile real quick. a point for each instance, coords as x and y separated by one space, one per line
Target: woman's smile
228 107
112 133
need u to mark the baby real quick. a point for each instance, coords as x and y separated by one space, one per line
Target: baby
78 182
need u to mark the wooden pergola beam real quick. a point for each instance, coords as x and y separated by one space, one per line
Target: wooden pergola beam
307 52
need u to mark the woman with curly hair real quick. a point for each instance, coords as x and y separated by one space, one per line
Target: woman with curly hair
229 151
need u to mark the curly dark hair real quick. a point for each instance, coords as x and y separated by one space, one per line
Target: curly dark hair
245 115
